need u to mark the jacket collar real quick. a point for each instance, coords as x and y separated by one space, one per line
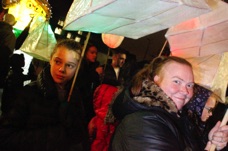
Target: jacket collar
152 95
46 84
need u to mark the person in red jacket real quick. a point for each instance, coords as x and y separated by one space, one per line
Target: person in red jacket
100 132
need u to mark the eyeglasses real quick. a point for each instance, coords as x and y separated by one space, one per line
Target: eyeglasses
209 109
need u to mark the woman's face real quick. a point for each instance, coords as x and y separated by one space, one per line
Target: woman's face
63 65
177 81
91 54
208 108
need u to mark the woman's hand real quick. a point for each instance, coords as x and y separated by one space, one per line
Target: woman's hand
99 70
218 136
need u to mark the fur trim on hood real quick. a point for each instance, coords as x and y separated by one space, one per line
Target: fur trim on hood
152 95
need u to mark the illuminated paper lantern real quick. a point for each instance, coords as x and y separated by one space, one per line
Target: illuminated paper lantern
24 9
201 36
40 41
112 41
211 71
132 18
8 3
203 41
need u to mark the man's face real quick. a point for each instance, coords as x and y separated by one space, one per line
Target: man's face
121 59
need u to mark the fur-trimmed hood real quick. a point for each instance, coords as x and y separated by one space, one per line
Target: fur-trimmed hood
46 83
150 96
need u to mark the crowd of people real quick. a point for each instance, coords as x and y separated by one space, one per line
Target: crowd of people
118 106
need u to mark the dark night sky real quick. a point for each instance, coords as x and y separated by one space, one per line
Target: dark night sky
59 9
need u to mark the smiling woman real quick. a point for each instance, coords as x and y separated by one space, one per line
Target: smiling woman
157 92
149 111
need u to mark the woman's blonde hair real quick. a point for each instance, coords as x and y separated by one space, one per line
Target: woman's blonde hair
215 97
154 68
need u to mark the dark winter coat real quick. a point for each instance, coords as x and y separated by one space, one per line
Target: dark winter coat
7 36
14 82
148 122
110 76
40 121
7 44
87 81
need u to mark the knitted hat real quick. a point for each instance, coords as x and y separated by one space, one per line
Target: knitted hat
9 18
199 99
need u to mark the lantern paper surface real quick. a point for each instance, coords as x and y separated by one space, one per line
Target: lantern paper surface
40 42
201 36
132 18
24 9
211 71
112 41
203 41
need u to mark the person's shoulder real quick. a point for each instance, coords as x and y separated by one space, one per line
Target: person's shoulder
31 86
28 91
2 23
5 26
157 115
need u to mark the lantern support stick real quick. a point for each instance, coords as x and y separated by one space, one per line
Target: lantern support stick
79 64
162 48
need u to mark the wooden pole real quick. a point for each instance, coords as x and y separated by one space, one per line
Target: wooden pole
79 64
162 48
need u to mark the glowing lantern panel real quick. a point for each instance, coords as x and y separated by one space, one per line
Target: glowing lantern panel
24 10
